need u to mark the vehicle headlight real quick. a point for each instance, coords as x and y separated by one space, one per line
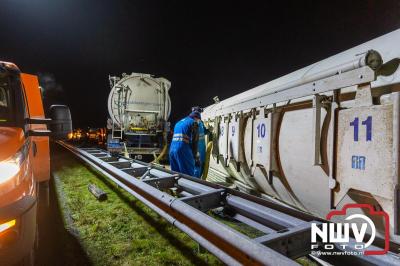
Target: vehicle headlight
8 170
11 167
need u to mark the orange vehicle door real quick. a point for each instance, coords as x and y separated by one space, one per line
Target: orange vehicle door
40 151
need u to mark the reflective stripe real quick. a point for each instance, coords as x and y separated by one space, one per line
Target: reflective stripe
180 139
180 135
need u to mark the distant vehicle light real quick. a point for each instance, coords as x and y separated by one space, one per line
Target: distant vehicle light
7 225
8 170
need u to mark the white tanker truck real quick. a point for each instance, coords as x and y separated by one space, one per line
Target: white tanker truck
320 137
139 107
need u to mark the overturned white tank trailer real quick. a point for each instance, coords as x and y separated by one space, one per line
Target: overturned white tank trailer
139 107
320 137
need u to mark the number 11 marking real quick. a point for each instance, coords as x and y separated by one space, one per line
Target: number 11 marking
367 123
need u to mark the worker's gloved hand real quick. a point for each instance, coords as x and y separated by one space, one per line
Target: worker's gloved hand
197 161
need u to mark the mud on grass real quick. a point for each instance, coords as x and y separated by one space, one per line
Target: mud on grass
120 230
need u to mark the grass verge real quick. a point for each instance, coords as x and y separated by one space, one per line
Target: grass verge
120 230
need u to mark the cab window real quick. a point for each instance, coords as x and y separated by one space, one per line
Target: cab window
6 114
12 106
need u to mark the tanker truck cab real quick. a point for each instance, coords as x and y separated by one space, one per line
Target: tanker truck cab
24 161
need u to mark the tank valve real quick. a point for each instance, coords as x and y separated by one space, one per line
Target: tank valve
373 59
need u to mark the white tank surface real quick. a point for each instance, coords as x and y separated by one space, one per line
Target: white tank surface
320 137
139 100
139 107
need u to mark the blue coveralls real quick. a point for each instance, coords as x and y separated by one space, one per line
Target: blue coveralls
201 147
180 153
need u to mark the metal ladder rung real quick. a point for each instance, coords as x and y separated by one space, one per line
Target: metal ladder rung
109 159
269 217
135 171
161 182
284 234
121 164
206 201
254 224
99 155
293 242
94 151
115 130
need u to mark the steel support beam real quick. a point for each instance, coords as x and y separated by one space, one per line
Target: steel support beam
206 201
287 231
227 244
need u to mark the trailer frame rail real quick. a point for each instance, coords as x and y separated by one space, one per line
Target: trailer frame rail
184 202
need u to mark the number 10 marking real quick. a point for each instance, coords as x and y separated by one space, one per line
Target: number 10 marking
367 123
261 130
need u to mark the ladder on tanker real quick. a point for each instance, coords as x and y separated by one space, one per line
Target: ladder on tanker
201 209
116 131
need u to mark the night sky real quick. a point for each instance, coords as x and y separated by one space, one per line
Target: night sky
204 48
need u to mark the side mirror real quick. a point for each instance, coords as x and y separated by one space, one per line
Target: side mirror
36 121
61 124
39 133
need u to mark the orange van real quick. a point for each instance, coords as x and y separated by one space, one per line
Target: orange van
24 159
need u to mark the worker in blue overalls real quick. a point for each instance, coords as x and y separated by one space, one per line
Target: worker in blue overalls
183 154
201 147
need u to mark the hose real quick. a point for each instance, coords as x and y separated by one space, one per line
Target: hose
207 161
163 151
126 153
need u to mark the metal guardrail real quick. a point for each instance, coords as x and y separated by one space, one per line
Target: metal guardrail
285 231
